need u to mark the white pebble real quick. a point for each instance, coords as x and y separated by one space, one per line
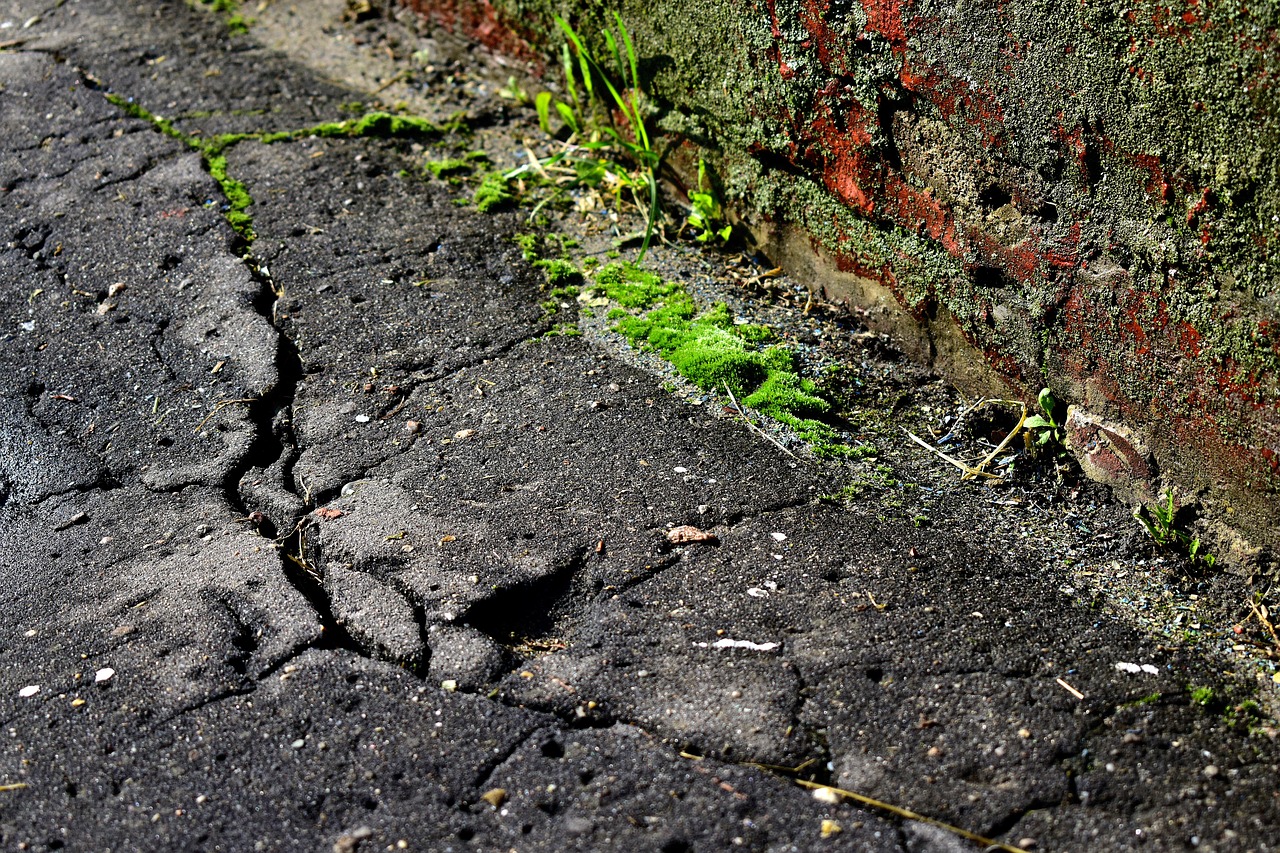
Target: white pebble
104 674
362 419
29 691
779 537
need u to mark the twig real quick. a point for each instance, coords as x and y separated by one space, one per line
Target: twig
967 469
15 786
907 814
1265 622
1008 438
759 431
218 406
394 79
1069 688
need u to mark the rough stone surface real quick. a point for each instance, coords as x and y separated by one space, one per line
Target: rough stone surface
232 582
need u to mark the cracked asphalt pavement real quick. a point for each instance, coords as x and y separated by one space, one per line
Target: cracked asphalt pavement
321 542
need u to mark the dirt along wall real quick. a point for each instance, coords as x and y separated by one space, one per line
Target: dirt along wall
1081 195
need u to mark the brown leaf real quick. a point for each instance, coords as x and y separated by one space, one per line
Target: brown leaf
329 512
688 533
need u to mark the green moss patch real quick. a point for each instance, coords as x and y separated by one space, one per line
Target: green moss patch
713 352
560 273
494 193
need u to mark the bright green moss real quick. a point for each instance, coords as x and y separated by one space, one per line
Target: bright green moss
710 358
783 391
237 195
449 166
714 353
493 193
379 124
529 245
632 287
560 272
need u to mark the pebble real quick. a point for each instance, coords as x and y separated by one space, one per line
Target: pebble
29 691
826 795
362 419
779 537
104 674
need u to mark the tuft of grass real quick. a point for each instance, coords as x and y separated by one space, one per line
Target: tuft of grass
597 142
1159 520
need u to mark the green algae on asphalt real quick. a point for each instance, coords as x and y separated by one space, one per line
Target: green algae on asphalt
714 352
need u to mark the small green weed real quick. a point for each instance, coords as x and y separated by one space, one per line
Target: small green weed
1160 523
1045 427
706 216
1203 696
513 91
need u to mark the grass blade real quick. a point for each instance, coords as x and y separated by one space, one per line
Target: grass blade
543 105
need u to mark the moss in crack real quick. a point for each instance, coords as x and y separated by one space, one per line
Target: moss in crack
212 149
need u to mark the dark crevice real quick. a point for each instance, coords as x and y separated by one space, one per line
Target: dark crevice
491 766
820 769
739 518
490 354
273 446
650 572
191 707
1006 824
538 610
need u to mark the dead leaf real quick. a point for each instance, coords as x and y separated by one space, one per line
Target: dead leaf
686 533
329 512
